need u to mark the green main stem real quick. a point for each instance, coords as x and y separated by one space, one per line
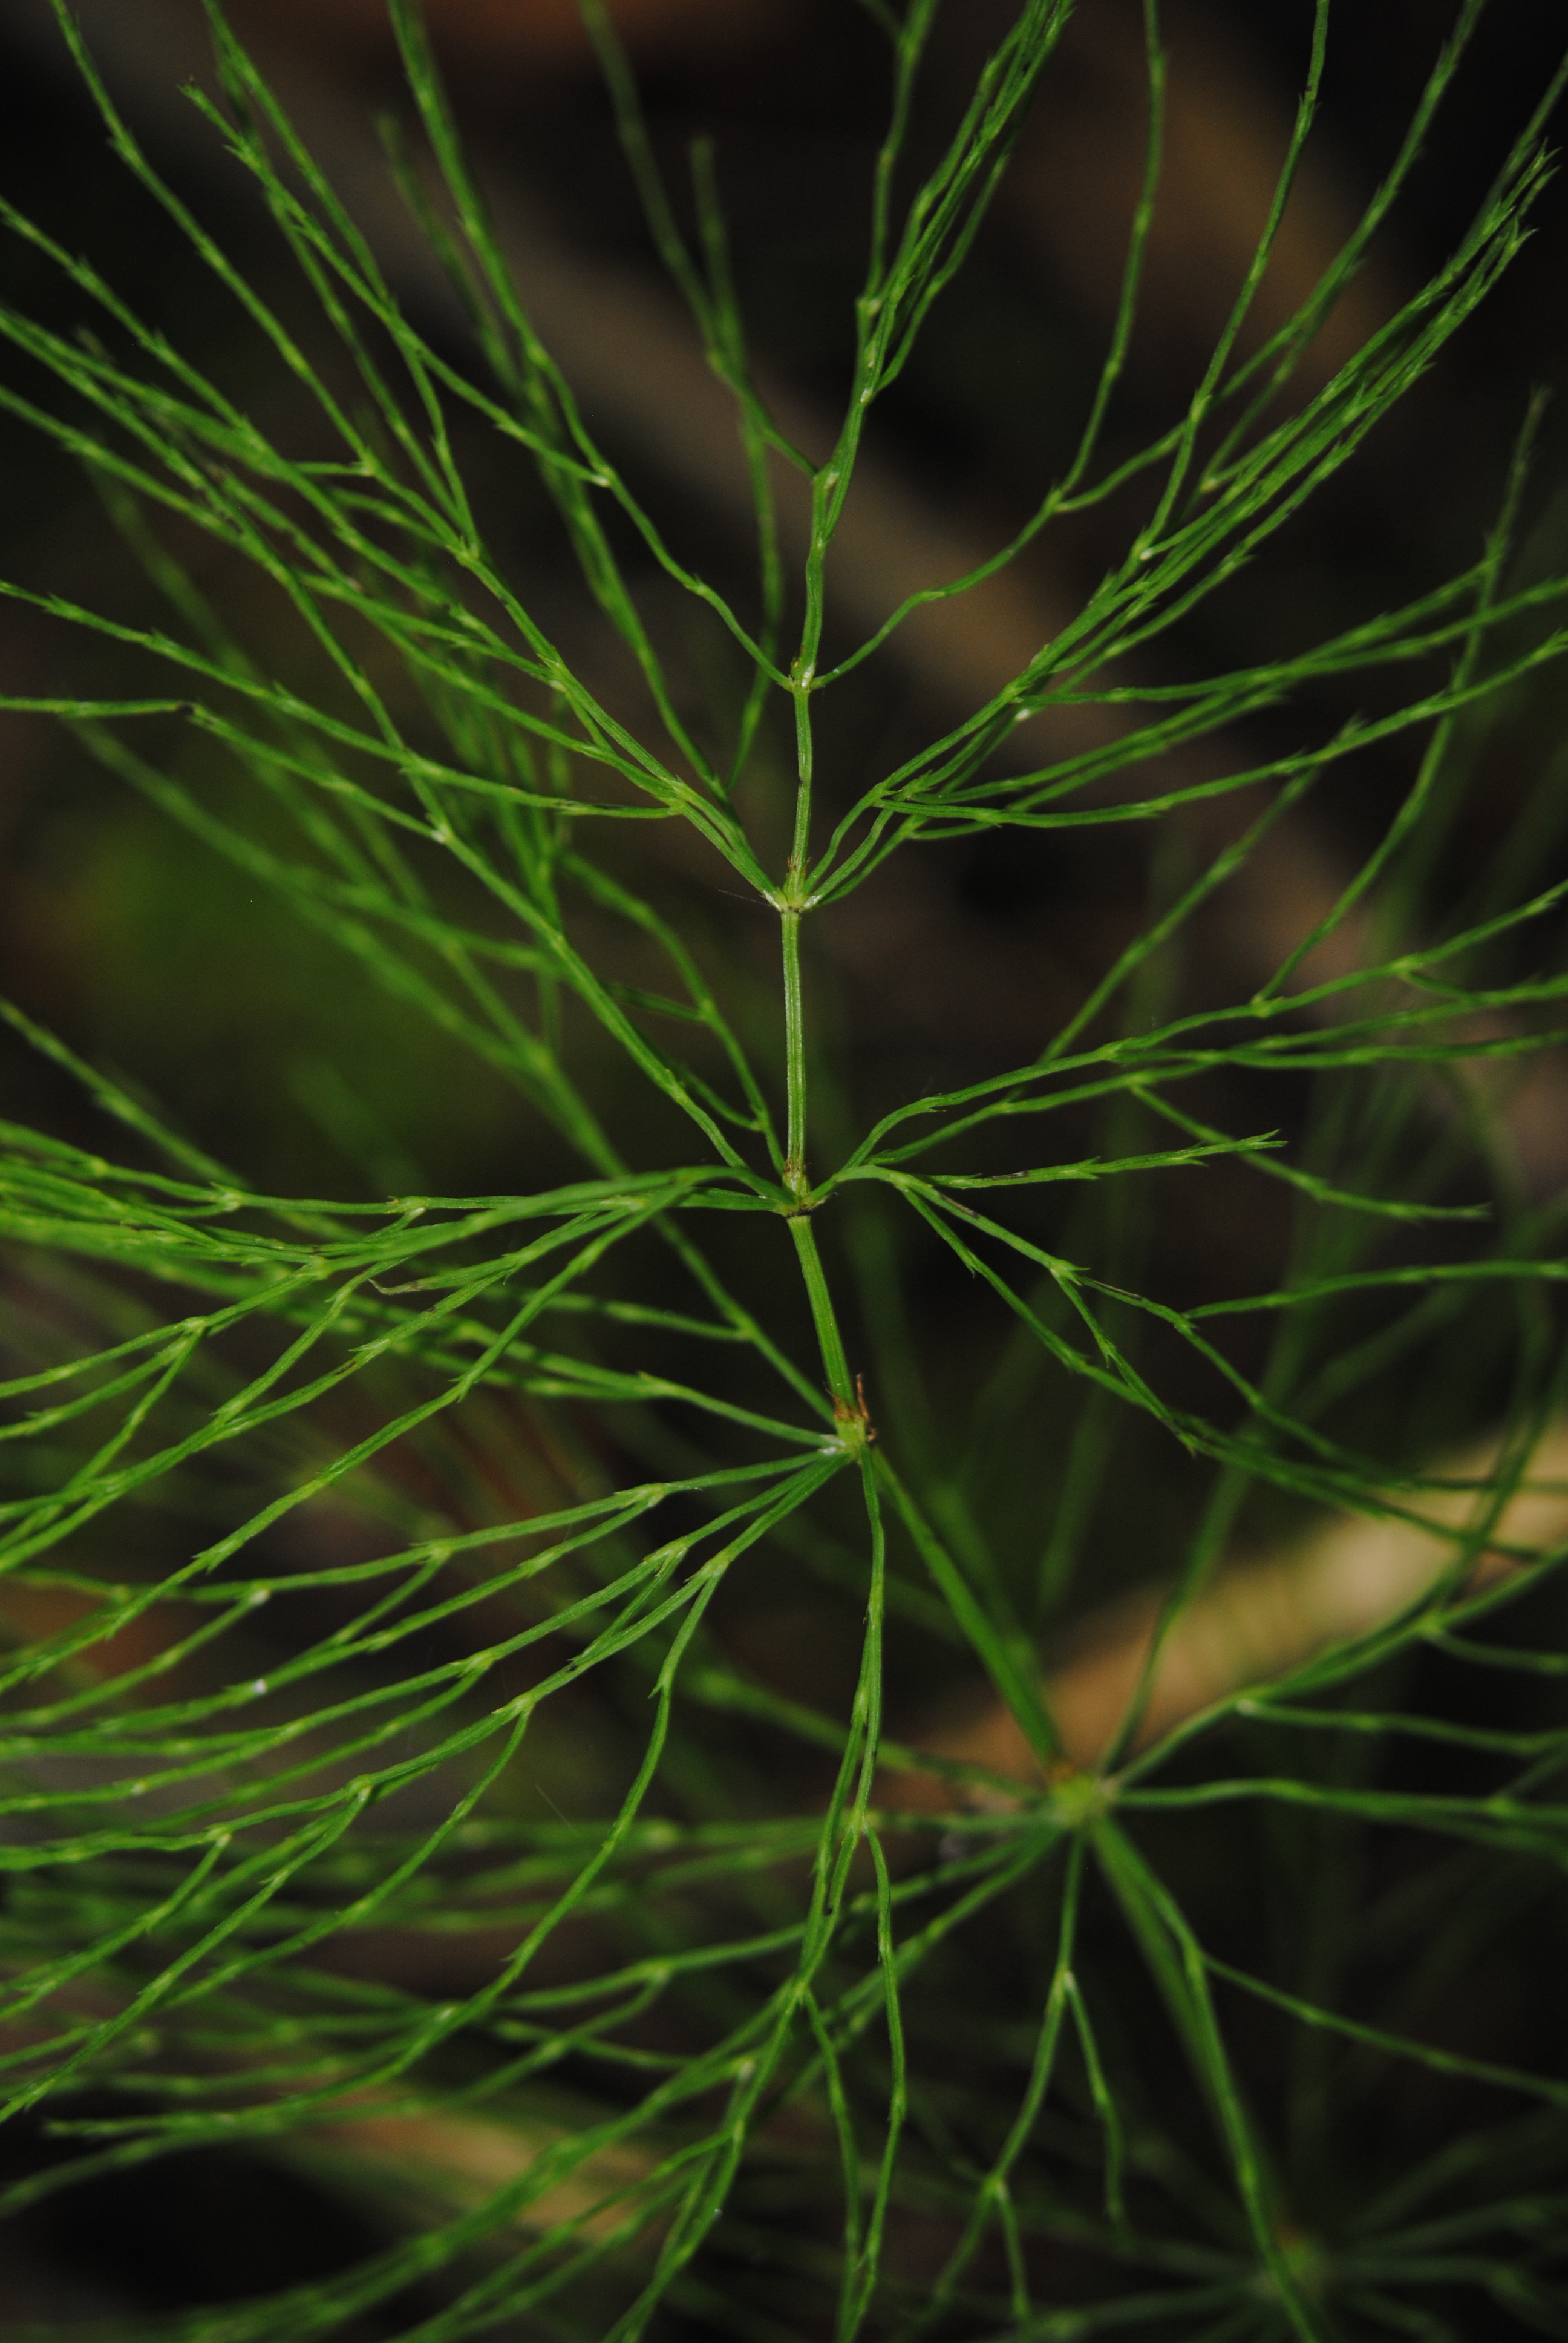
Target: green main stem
795 1171
791 908
791 904
831 1342
835 1364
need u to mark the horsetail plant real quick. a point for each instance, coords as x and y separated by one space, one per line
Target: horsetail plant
791 2027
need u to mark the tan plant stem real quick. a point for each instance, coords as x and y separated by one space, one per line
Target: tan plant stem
1261 1618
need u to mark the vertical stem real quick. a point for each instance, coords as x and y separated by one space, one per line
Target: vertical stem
794 1052
847 1406
804 675
836 1366
790 905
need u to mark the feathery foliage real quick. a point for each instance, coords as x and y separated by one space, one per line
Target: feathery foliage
800 2029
